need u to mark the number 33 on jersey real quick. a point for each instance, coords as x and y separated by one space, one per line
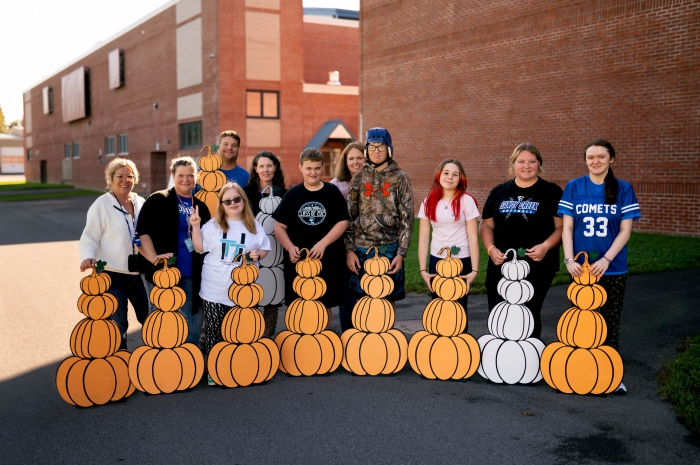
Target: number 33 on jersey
596 224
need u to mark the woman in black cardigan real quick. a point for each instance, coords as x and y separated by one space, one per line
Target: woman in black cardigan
165 231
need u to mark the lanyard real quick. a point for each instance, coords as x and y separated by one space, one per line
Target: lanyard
187 214
125 213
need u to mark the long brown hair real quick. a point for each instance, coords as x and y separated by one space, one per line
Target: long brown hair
277 178
342 173
610 180
247 214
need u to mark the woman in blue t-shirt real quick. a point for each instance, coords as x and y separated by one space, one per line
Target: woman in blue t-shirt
598 211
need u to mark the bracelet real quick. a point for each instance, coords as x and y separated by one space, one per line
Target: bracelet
423 271
609 261
474 271
488 252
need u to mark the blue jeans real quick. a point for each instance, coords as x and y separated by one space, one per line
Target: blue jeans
194 322
127 288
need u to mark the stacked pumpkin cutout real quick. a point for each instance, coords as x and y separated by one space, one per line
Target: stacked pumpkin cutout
579 363
372 347
442 351
98 372
307 347
244 357
166 363
271 267
211 180
508 354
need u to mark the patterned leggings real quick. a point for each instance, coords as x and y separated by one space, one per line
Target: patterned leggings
214 314
615 286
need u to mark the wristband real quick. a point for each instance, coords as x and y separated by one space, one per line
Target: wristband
488 252
423 271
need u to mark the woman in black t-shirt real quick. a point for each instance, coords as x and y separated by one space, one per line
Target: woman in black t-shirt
522 214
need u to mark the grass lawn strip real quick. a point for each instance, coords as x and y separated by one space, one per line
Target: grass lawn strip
646 253
679 383
21 186
51 195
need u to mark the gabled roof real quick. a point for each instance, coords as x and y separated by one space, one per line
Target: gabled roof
334 129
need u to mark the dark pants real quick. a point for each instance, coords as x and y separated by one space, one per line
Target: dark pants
614 286
540 277
127 288
466 269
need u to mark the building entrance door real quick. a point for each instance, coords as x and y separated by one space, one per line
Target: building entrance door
159 171
42 172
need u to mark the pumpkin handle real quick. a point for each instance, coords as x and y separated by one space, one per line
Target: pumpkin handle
307 253
271 191
243 260
94 271
585 259
205 147
376 251
449 252
515 254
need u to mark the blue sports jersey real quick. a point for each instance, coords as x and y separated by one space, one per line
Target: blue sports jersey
596 225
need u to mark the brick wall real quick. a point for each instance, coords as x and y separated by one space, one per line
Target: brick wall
471 80
150 77
331 48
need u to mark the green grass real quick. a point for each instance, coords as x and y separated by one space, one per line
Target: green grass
679 383
646 253
52 195
7 186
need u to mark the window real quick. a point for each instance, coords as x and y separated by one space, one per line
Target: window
123 143
66 150
29 155
47 97
330 158
109 145
262 104
191 135
115 60
76 150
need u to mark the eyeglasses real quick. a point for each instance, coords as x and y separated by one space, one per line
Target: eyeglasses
235 200
128 177
376 148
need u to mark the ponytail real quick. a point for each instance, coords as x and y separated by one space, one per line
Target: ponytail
611 184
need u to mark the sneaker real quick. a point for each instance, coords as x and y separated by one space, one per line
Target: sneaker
621 389
210 381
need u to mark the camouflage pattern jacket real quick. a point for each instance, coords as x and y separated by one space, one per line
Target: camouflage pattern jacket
380 204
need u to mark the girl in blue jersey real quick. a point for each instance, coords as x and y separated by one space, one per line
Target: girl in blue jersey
598 211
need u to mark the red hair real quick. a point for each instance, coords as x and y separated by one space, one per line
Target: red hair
436 192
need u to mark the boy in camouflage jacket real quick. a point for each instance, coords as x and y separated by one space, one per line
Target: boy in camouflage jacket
380 204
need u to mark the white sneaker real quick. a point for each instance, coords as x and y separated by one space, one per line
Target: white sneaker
621 389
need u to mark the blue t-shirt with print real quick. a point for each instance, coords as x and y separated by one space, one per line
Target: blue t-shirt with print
596 224
184 256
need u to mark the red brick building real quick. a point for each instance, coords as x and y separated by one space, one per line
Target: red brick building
173 81
471 80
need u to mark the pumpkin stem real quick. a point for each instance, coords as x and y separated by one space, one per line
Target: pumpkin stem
376 251
307 252
242 255
206 147
268 187
94 271
449 252
585 258
515 254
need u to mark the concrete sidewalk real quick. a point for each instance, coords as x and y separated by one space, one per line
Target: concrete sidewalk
338 418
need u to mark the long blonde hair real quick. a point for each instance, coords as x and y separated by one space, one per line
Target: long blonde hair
246 216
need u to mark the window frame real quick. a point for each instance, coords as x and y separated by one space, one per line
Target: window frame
68 151
119 144
114 146
183 127
76 150
262 104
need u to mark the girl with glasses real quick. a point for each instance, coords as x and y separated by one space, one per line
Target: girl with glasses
233 231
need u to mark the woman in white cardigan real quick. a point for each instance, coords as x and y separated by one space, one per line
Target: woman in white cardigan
110 236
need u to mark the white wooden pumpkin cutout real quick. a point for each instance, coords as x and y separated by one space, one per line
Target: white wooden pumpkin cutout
509 355
270 203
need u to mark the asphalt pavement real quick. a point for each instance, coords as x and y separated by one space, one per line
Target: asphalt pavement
339 418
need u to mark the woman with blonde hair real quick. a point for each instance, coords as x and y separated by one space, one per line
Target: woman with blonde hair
521 214
110 236
234 231
349 164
